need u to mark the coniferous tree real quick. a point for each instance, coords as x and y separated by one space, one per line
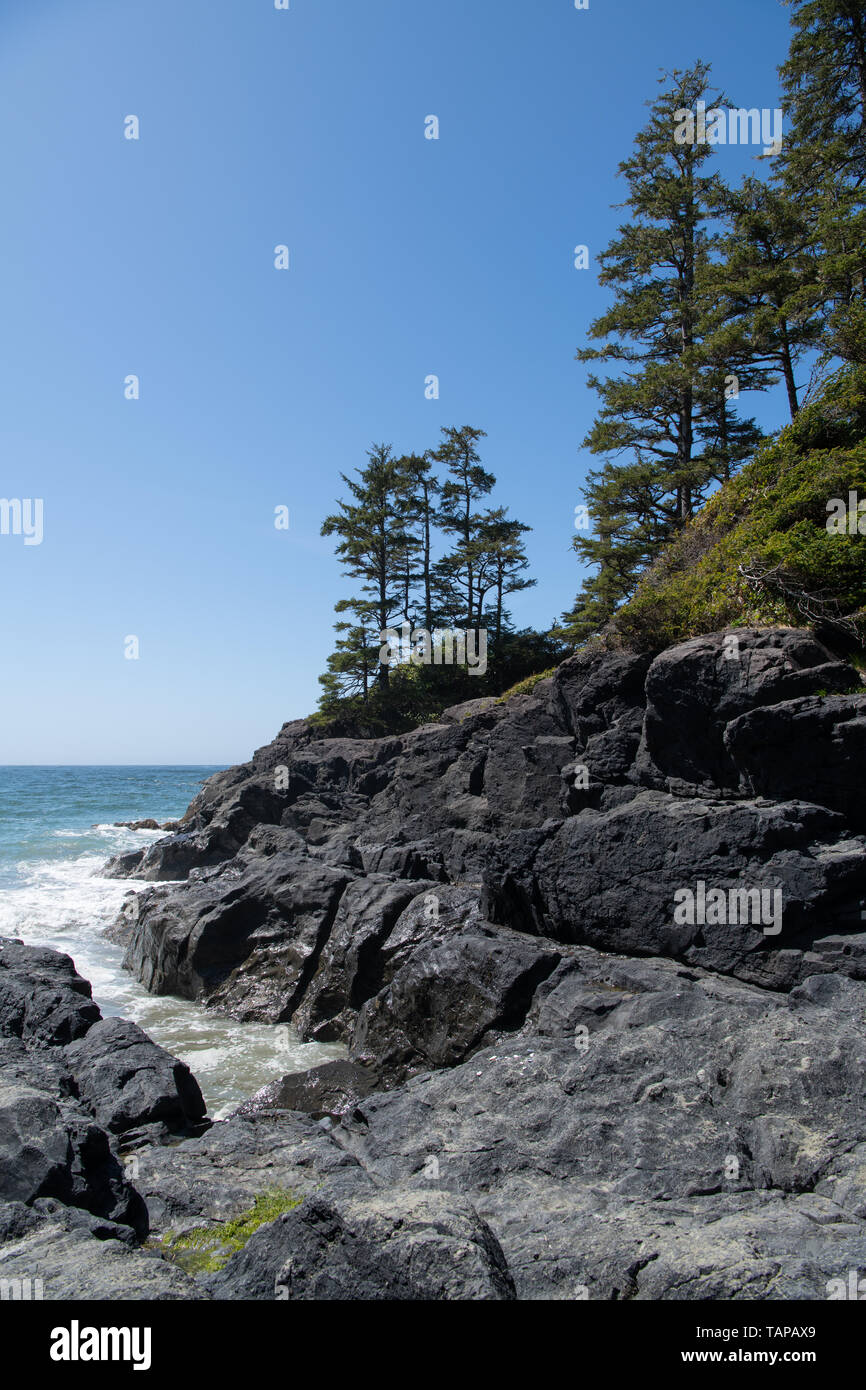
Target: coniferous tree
421 491
767 259
823 164
467 484
664 417
353 666
626 507
502 563
387 539
373 538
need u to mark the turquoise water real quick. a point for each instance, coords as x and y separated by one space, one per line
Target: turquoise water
56 833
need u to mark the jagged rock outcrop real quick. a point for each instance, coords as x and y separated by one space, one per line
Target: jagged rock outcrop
650 1132
598 959
577 813
71 1085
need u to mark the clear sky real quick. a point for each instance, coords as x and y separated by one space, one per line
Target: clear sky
408 257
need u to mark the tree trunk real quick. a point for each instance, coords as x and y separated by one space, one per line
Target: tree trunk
788 373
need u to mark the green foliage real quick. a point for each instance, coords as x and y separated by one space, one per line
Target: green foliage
759 552
668 418
386 544
526 687
822 171
206 1249
418 694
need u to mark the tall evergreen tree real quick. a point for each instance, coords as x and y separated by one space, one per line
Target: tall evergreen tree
501 566
765 319
658 319
458 517
659 326
823 165
373 537
421 492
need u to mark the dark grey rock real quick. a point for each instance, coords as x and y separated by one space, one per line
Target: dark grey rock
695 689
126 1080
611 879
58 1258
246 939
406 1246
42 996
51 1147
812 748
451 991
332 1089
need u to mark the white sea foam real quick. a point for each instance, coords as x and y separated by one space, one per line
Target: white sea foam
66 904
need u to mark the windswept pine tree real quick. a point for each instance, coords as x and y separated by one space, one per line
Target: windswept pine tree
392 535
501 567
666 419
420 494
768 258
467 484
373 531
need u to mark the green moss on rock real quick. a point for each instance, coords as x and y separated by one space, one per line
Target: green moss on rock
206 1249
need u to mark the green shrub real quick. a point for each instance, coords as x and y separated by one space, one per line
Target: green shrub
524 687
759 553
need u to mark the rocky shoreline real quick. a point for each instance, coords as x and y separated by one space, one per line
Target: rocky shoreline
584 1058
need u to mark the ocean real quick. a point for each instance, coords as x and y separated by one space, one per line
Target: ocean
56 833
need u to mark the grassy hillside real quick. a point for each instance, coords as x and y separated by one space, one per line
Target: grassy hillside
760 551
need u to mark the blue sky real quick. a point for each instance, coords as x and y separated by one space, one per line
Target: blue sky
409 257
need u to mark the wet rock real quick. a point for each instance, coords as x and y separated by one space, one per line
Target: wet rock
42 996
351 966
247 940
51 1147
447 994
127 1081
333 1089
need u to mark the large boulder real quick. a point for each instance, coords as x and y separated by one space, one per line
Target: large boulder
350 967
71 1083
621 881
50 1146
695 689
246 939
127 1081
42 996
812 748
447 994
407 1246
